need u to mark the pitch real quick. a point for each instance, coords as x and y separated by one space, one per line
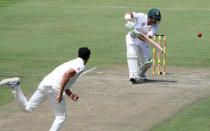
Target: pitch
108 102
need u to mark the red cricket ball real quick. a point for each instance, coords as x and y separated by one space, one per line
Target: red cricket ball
199 34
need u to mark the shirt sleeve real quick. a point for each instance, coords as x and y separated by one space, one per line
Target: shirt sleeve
78 67
153 31
137 15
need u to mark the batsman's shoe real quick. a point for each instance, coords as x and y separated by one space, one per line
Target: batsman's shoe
148 61
12 82
133 80
143 77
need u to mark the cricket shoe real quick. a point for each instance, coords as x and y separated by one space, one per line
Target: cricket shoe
133 80
143 77
12 82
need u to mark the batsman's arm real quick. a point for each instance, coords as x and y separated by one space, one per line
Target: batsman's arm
150 41
128 16
143 39
149 36
70 73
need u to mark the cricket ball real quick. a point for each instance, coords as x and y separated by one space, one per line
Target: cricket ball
199 34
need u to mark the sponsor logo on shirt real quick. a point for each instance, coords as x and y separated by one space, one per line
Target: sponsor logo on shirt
78 68
143 24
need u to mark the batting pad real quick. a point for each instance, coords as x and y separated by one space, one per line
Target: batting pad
133 67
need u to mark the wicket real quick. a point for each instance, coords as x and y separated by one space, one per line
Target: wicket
159 55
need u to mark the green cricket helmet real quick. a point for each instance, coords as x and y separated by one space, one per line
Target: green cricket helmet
154 13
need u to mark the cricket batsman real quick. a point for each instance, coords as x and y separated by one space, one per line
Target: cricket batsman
52 87
136 47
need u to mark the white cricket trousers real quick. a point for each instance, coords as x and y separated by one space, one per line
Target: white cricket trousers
39 95
136 49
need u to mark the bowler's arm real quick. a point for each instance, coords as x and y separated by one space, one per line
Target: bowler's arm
67 75
70 73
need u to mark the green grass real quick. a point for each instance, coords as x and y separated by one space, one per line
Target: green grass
38 35
46 31
194 118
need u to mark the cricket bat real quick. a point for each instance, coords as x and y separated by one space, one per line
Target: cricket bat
150 41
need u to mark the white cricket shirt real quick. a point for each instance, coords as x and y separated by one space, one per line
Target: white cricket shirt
141 24
54 78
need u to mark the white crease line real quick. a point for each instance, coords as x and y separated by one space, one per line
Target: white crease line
88 71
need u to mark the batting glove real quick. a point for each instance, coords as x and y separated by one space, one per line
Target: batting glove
134 33
129 26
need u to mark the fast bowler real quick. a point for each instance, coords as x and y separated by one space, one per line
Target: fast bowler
52 87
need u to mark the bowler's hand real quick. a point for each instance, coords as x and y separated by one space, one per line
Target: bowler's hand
59 98
74 97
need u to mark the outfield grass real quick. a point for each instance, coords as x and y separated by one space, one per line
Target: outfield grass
38 35
42 31
194 118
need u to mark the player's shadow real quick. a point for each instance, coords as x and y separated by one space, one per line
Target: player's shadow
154 81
